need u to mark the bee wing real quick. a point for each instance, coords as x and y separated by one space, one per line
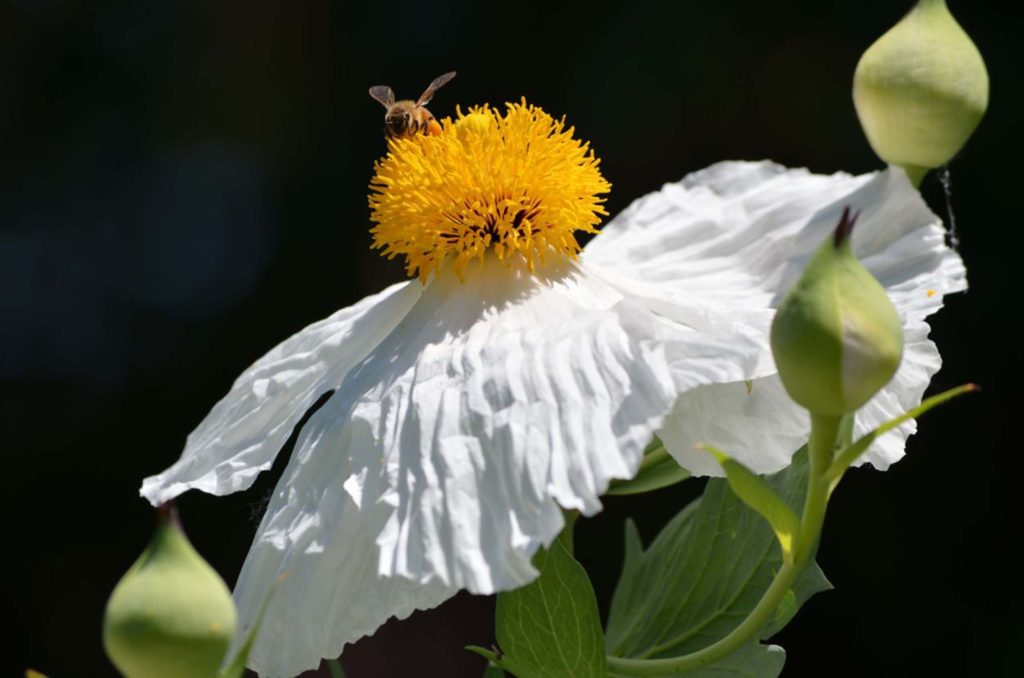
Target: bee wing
438 83
383 94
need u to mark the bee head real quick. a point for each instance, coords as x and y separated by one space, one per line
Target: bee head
398 121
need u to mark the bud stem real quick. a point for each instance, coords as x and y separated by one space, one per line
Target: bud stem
821 448
915 174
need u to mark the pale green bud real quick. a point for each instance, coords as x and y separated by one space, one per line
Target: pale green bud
836 337
921 89
171 615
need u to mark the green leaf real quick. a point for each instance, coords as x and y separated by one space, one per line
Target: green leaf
657 470
335 668
490 655
493 671
551 628
702 575
756 494
753 660
236 668
851 453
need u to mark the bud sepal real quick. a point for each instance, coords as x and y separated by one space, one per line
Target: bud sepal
921 89
836 337
171 615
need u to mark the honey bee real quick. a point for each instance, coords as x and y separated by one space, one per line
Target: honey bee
406 118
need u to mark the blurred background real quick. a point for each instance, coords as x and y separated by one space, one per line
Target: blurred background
183 185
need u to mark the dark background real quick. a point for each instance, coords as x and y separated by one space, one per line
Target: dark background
182 185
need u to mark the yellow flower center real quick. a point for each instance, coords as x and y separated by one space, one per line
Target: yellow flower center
518 184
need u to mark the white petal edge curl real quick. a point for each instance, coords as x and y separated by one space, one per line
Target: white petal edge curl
443 459
737 235
245 430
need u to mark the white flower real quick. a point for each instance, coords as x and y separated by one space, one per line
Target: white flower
470 408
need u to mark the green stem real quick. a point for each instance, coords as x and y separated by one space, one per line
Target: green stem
824 430
915 174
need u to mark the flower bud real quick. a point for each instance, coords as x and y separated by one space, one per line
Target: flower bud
171 615
921 89
836 337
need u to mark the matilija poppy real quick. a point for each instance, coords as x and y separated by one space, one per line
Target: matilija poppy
518 375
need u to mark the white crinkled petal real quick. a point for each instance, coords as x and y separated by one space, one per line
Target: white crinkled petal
761 428
322 548
443 459
920 362
467 414
243 433
737 236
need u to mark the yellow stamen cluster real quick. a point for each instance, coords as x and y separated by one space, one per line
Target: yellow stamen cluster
518 184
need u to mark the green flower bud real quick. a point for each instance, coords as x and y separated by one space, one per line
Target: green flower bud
836 337
171 615
921 89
